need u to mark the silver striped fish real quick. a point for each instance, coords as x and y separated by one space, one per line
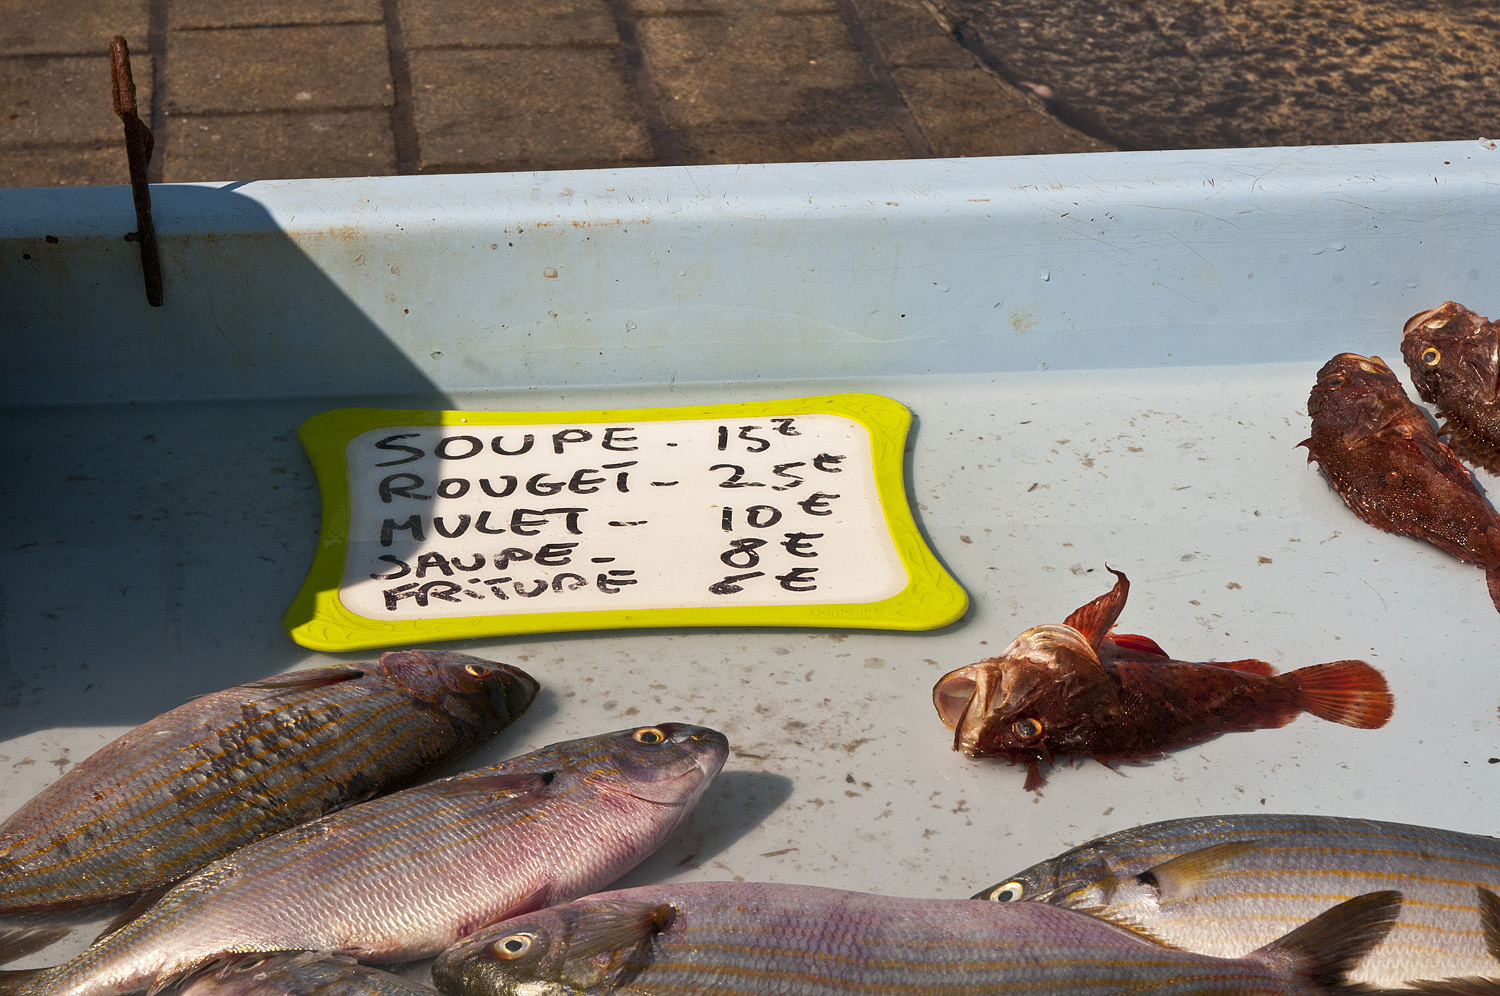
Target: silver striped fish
305 974
404 876
739 939
1225 885
234 766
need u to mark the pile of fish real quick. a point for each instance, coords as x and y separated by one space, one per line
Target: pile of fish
1381 453
391 879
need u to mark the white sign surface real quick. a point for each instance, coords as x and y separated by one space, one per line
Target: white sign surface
452 521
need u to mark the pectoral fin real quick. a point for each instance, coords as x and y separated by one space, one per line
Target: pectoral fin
311 678
617 926
499 785
1179 879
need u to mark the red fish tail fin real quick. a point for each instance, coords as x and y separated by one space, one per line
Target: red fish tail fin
1325 949
1349 692
1492 578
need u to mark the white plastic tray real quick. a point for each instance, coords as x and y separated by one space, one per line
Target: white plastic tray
1108 357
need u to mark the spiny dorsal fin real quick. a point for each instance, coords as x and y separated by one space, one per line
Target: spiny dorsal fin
1098 617
1328 947
1178 879
1122 919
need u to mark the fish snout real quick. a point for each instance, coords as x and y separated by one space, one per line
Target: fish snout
511 690
671 763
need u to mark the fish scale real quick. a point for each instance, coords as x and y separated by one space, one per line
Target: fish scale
1293 868
402 877
233 766
752 939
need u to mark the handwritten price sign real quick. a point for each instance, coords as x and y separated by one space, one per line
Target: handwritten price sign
445 525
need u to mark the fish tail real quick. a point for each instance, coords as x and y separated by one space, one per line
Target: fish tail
1472 986
1325 949
19 940
1492 578
1349 692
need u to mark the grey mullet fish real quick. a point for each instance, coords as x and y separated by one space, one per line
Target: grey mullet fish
404 876
234 766
738 939
305 974
1224 885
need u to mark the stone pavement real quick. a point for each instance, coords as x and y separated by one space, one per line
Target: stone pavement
241 90
1182 74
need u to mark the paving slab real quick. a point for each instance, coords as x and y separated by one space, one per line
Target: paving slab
972 112
59 100
188 14
647 8
315 67
64 166
278 146
794 145
1165 74
481 23
758 70
528 108
29 27
909 33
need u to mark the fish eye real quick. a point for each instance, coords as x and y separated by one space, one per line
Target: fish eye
478 670
1010 892
1431 355
649 735
1028 728
1337 380
512 946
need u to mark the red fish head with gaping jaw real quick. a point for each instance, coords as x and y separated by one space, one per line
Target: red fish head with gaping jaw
1042 696
1453 354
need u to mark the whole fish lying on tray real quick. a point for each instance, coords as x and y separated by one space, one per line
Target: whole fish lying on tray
234 766
402 877
305 974
1079 688
747 939
1383 459
1226 885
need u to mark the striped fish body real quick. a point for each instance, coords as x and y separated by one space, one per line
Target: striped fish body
234 766
301 975
738 939
404 876
1244 880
